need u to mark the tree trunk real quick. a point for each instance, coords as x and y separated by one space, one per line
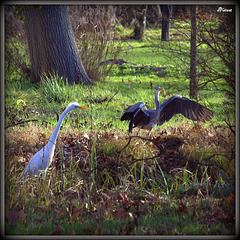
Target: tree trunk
193 55
166 13
52 44
140 22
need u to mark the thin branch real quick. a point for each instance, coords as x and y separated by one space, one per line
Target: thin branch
112 98
204 23
160 147
21 122
138 160
181 31
119 152
26 121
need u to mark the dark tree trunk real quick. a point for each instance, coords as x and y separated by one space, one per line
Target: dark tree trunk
140 22
52 44
193 55
166 14
138 32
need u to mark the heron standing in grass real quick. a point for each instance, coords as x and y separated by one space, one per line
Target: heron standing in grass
148 119
43 158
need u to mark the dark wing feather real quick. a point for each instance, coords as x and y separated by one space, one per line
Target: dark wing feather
136 115
131 110
142 118
187 107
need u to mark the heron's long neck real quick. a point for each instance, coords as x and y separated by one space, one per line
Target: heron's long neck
157 102
157 113
53 138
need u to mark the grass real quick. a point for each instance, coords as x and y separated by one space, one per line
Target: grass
87 190
142 198
156 222
118 92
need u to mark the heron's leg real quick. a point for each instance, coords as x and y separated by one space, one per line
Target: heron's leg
149 132
138 131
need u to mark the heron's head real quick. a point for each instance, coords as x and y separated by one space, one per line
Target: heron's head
75 105
157 90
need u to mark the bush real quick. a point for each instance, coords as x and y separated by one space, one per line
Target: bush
95 31
55 88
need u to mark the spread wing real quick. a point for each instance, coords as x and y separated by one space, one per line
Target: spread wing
187 107
131 110
136 115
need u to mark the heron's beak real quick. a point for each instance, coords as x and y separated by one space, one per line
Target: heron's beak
84 107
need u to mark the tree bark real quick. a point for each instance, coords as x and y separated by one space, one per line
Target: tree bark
52 44
193 55
140 22
166 13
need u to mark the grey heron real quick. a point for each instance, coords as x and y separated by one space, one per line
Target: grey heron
148 119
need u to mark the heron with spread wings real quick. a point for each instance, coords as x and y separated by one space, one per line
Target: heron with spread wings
148 119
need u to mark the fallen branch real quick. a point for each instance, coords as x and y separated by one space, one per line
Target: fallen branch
139 159
26 121
122 61
119 152
161 148
21 122
118 166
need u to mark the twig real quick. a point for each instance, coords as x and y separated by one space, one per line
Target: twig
21 122
112 98
160 147
117 167
124 146
26 121
138 160
181 31
227 121
147 139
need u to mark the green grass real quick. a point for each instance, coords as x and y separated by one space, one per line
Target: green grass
143 197
127 213
119 91
130 83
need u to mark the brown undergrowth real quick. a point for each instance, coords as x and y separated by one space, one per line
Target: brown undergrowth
111 175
